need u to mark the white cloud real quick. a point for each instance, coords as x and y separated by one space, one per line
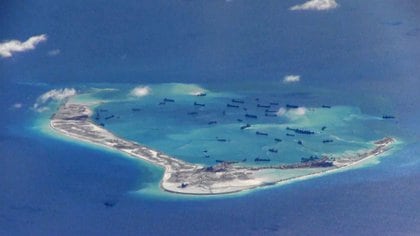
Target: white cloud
292 113
53 95
318 5
54 52
7 48
17 105
281 111
291 79
140 91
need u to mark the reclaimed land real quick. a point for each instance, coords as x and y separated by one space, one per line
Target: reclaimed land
181 177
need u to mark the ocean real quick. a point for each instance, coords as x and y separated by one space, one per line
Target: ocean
361 59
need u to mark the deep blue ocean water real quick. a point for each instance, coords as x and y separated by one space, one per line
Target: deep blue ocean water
363 56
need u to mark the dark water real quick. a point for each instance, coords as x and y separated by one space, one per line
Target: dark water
362 55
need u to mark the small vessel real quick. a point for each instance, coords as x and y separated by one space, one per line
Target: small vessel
201 94
199 104
238 101
261 133
388 117
291 135
274 103
168 100
251 116
326 106
323 128
161 103
263 106
109 117
135 109
103 110
292 106
261 159
212 122
273 150
270 115
239 120
300 142
277 140
245 126
270 111
230 105
193 113
327 141
221 139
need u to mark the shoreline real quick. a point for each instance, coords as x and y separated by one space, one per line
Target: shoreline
180 177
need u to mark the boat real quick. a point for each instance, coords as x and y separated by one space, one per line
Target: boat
230 105
300 131
263 106
261 133
385 117
325 106
109 117
245 126
273 150
168 100
201 94
292 106
277 140
327 141
238 101
251 116
199 104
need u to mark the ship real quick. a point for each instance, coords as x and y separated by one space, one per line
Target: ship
263 106
261 133
251 116
292 106
261 159
135 109
323 128
326 106
201 94
199 104
277 140
291 135
245 126
212 122
273 150
168 100
274 103
230 105
300 131
221 139
270 115
388 117
327 141
109 117
193 113
238 101
270 111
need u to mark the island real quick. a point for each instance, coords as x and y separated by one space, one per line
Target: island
74 120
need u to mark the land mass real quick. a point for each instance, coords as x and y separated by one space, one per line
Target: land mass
73 120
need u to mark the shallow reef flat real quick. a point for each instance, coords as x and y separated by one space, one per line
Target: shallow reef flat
74 120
